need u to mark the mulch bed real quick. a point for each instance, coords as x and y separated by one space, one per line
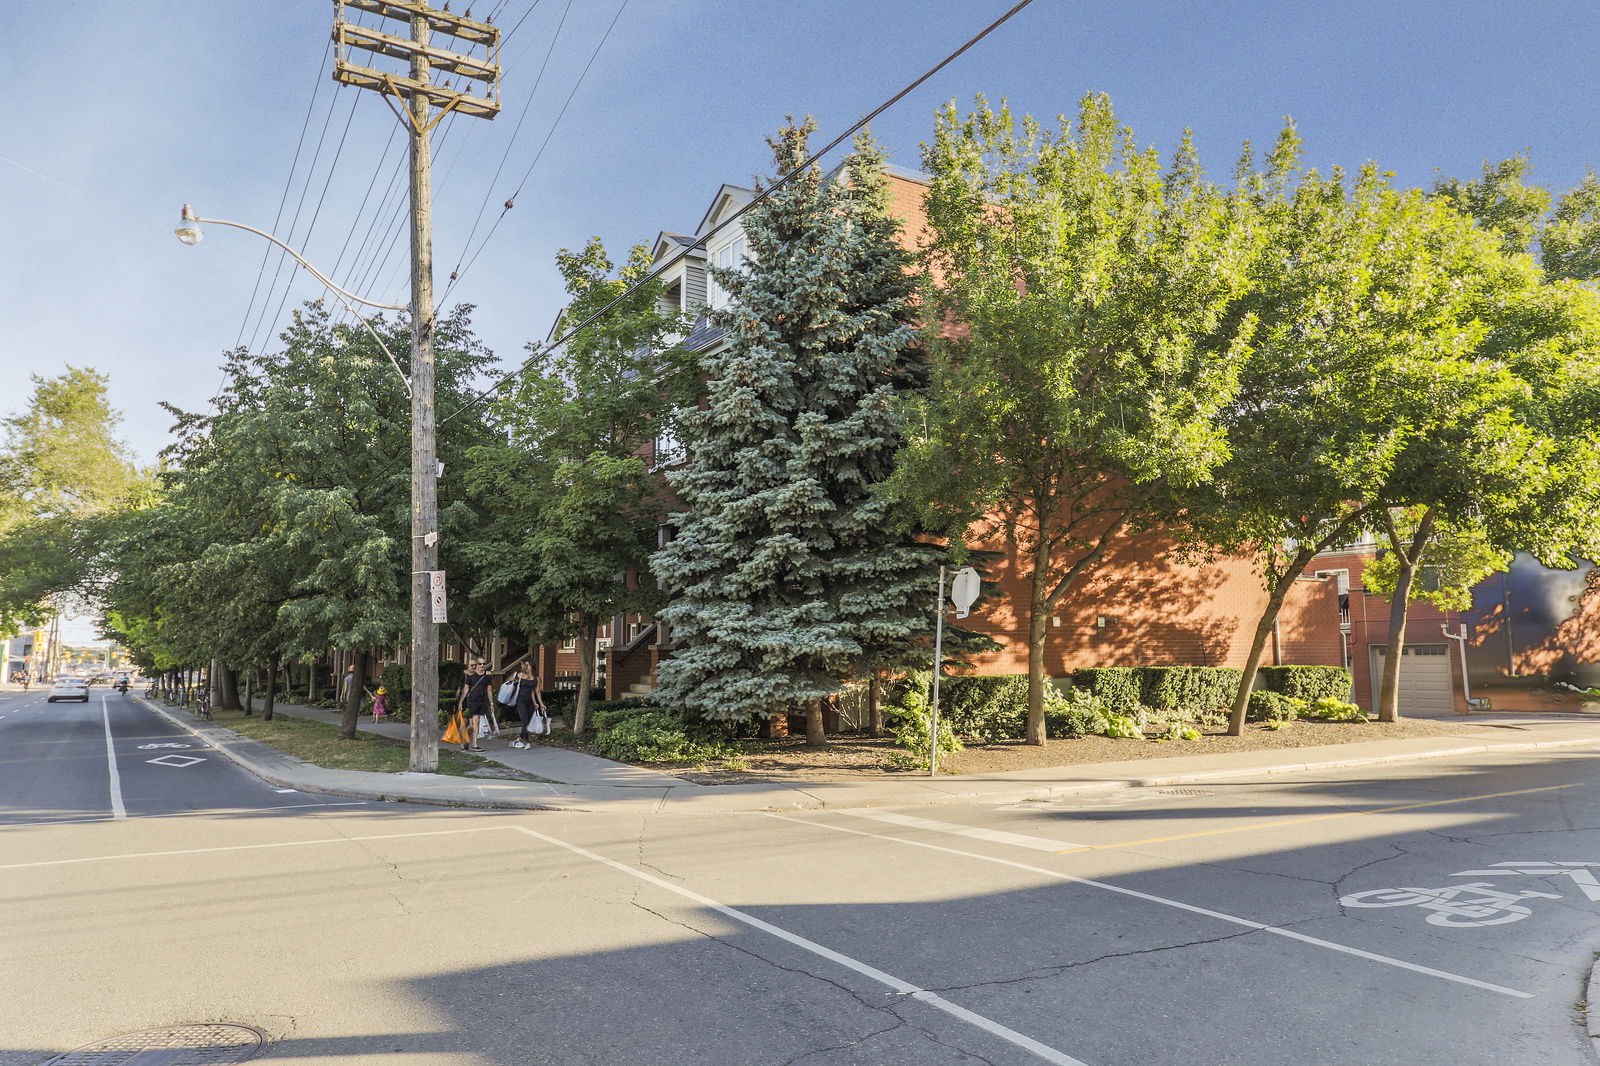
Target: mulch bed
853 758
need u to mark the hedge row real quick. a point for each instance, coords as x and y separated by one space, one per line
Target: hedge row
1162 688
1309 683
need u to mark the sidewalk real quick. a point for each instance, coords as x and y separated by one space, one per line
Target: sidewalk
574 781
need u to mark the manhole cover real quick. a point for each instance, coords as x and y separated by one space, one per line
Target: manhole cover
177 1045
1183 792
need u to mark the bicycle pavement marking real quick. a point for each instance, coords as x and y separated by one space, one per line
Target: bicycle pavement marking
1176 904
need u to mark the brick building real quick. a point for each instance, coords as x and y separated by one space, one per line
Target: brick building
1140 606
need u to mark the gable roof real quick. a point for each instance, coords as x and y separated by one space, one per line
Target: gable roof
734 194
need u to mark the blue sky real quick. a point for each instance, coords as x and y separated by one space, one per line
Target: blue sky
119 112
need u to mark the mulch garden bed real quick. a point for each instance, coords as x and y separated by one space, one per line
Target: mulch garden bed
852 758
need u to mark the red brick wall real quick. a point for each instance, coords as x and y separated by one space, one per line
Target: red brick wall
1159 611
1369 624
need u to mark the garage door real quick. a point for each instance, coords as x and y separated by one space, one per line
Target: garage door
1425 678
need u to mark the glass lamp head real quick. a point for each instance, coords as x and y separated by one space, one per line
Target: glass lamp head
188 230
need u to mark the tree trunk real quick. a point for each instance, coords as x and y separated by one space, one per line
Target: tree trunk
1410 558
228 697
580 710
311 683
816 736
1038 619
272 689
875 706
1258 645
352 699
249 691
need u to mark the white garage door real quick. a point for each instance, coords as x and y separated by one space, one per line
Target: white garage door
1425 678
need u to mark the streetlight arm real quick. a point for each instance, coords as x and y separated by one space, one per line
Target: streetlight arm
299 259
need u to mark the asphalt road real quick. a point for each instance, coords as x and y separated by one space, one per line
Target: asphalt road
1235 924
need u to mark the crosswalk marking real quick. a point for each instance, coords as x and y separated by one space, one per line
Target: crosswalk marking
1020 840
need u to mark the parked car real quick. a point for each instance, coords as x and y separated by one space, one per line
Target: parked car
68 688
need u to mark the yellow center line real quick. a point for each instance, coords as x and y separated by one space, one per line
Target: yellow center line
1308 818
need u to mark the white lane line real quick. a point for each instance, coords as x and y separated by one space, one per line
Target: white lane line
229 811
117 809
1020 840
933 999
1219 915
248 847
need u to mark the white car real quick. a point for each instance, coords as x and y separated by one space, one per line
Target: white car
69 688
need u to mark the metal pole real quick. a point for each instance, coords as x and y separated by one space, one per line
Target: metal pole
424 458
1461 643
938 660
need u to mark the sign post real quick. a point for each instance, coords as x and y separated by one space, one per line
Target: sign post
964 587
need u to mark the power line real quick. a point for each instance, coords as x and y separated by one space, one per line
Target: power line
305 125
299 206
321 198
488 191
766 193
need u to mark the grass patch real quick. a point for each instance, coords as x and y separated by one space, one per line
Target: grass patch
318 743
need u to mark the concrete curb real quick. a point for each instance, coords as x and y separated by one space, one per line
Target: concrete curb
1586 1015
285 771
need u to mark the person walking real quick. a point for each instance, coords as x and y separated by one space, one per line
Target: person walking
528 703
473 701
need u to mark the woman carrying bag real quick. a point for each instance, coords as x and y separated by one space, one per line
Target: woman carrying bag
528 705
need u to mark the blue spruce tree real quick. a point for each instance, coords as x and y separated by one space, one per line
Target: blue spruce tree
790 572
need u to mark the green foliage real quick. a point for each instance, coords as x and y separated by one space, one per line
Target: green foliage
911 725
1125 726
1459 556
1336 710
282 525
568 490
1075 713
1186 688
1117 685
652 734
1267 706
790 572
1097 291
1307 682
607 713
65 481
984 709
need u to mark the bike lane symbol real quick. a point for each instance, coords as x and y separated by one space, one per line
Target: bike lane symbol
1481 902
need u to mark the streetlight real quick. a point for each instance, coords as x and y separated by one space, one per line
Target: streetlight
189 232
422 489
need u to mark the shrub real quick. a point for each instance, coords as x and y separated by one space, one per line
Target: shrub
1073 713
1186 688
985 709
1125 726
604 714
655 735
1268 706
1308 683
1334 710
1117 685
911 723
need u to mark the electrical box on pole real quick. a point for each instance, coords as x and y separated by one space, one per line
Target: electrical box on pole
467 53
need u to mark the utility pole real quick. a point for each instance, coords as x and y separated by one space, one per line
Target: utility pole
416 94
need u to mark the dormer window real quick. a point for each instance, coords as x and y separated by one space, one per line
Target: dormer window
730 256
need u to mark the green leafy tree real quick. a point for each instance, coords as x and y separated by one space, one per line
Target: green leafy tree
282 528
572 499
64 477
1096 341
1398 349
790 571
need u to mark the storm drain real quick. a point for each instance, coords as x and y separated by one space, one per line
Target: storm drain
1184 792
177 1045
